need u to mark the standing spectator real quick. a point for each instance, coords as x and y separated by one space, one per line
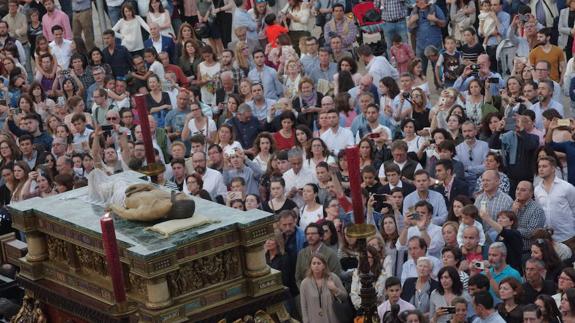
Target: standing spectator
492 200
60 47
450 287
342 26
392 292
82 21
129 29
298 14
394 12
377 67
328 287
55 17
566 25
557 197
266 76
418 290
423 193
426 21
554 55
159 15
314 236
535 284
160 42
242 19
471 153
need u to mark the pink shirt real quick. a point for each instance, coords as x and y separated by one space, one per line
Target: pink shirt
57 17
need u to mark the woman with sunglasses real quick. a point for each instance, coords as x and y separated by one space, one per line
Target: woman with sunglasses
542 249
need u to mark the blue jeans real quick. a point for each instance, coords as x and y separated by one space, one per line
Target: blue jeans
392 28
114 13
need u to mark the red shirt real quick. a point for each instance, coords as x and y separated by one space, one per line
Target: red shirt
284 143
273 32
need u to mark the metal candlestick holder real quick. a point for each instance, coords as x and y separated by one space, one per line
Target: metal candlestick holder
153 170
367 293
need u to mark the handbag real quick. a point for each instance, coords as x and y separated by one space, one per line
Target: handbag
343 309
202 30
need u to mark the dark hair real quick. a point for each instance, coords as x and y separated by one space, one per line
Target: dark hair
420 240
364 50
392 281
483 298
479 281
57 27
127 5
391 85
446 163
352 63
392 238
344 82
425 204
465 200
551 114
485 122
333 239
570 294
317 226
534 308
550 306
160 9
457 254
457 287
270 19
550 257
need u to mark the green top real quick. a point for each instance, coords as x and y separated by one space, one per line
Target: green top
72 209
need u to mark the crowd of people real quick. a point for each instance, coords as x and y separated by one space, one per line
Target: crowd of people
468 175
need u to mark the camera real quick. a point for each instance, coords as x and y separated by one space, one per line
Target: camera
519 100
475 67
493 80
479 265
431 141
524 18
406 95
107 130
449 309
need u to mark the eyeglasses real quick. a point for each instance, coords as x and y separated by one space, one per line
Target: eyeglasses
111 118
541 69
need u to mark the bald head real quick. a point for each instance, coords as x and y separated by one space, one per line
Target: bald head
524 191
490 181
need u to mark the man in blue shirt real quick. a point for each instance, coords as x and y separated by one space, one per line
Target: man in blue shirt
426 21
423 193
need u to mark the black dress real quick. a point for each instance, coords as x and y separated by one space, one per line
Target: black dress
515 316
224 23
288 205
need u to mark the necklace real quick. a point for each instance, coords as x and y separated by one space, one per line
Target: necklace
319 292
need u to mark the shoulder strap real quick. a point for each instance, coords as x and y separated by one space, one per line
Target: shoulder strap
548 9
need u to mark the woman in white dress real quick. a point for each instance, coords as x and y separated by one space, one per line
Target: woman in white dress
161 16
198 124
128 29
208 71
264 147
311 211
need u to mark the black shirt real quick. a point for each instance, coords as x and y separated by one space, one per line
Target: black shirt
530 293
514 243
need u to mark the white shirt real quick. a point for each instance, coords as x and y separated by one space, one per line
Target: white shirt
559 208
379 67
409 268
539 112
298 180
386 306
214 183
434 232
62 52
338 140
157 44
306 217
381 172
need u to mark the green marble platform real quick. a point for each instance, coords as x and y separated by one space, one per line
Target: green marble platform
71 209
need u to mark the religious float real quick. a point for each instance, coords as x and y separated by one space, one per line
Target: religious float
83 264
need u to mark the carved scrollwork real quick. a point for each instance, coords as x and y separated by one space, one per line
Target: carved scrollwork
204 272
137 284
57 249
31 311
91 261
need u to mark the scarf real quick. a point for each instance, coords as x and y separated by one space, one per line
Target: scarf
345 28
309 101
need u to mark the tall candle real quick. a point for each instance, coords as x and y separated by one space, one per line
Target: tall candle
140 100
352 157
110 246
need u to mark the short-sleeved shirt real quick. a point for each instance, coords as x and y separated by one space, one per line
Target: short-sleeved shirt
554 57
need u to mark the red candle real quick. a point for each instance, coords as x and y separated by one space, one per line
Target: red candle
140 100
113 257
352 157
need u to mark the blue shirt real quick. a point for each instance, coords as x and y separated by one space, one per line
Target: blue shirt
504 22
508 271
426 32
433 197
268 77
